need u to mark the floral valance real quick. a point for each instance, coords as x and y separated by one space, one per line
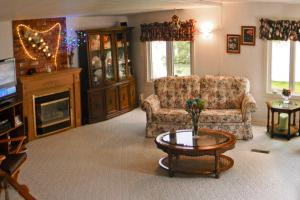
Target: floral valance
279 30
164 32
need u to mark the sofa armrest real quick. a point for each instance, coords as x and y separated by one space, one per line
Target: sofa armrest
248 105
151 104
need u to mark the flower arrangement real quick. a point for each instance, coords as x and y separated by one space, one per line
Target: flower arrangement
73 40
194 106
286 92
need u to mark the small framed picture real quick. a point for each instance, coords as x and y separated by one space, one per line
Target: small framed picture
248 35
233 43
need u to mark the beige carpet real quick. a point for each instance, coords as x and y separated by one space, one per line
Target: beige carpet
114 160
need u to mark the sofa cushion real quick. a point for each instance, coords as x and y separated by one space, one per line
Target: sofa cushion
221 116
174 91
170 115
223 92
186 87
165 89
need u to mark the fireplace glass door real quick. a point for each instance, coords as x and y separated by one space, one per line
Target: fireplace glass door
52 112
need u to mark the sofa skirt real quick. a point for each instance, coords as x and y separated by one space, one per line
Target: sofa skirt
239 130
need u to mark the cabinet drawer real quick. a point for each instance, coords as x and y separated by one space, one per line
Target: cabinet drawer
96 104
112 104
133 95
124 96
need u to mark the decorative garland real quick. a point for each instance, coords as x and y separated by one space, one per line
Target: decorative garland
279 30
35 40
164 32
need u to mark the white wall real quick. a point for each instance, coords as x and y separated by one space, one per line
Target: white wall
210 53
76 23
250 62
6 40
206 49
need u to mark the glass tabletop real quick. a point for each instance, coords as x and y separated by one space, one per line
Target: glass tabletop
280 104
185 138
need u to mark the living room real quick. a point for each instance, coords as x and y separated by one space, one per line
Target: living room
211 58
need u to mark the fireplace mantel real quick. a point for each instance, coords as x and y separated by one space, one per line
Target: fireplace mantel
30 86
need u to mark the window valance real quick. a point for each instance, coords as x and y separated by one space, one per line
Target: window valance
164 32
279 30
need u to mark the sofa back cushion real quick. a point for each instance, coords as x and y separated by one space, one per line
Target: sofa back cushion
223 92
174 91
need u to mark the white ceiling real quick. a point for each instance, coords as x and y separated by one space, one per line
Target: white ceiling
35 9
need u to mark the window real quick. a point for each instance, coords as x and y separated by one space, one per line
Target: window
169 59
283 66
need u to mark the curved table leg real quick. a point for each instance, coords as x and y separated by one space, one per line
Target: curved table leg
217 166
170 163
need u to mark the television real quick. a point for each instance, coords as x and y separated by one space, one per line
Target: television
8 79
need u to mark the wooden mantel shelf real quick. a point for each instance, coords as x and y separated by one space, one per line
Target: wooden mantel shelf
42 75
30 86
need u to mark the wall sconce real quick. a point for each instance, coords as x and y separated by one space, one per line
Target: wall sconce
206 32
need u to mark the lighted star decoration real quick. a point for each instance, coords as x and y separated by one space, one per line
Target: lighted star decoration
34 38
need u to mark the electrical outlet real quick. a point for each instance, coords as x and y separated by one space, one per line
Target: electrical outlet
141 97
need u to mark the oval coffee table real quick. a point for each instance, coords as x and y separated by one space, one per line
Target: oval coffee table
200 155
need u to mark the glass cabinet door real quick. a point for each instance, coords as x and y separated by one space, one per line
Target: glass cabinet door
108 58
129 54
121 55
95 59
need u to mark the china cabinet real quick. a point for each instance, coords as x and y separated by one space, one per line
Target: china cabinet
108 86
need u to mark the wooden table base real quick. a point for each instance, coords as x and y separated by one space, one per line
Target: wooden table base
206 164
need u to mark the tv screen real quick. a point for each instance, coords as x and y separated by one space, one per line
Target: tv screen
8 79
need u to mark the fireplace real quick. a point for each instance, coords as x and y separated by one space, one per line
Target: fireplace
52 112
51 102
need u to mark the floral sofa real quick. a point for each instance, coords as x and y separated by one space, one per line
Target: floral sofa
228 104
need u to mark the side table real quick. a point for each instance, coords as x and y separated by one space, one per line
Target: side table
290 108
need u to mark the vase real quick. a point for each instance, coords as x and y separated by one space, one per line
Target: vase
70 57
195 131
286 98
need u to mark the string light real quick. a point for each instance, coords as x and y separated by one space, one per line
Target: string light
33 45
36 33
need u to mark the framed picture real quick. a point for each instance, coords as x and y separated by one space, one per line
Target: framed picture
248 35
233 43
